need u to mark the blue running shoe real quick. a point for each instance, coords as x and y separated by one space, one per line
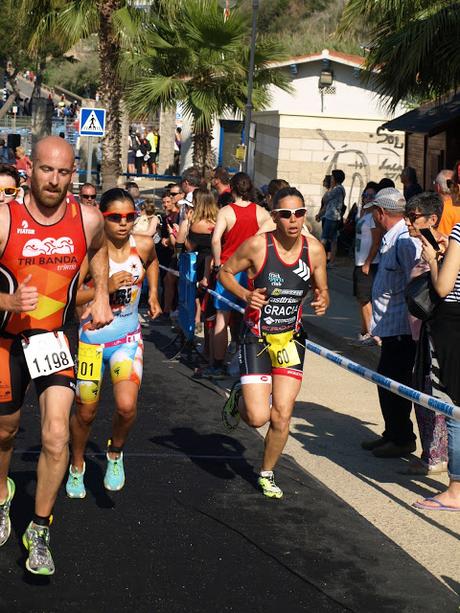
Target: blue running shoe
75 486
5 523
114 478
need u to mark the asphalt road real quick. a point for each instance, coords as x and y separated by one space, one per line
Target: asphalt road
190 531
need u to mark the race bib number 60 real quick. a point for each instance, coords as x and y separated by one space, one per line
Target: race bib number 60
46 354
282 349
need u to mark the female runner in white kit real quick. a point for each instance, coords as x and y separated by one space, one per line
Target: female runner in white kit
118 346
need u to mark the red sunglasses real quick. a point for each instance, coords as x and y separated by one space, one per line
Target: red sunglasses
117 217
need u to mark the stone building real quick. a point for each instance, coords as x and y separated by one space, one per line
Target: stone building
330 120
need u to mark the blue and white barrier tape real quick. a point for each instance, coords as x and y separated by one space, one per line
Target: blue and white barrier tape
173 272
393 386
424 400
235 307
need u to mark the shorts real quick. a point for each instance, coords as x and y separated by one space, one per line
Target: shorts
131 157
125 361
362 284
15 376
220 305
330 230
256 362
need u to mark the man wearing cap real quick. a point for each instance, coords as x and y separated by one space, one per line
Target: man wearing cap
399 253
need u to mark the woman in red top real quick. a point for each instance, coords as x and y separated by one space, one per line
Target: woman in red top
235 223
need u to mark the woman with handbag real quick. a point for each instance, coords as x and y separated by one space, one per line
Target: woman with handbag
423 213
444 333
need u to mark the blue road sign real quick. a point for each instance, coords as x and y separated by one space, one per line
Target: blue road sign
92 122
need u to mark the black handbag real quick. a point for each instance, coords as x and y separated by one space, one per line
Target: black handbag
421 297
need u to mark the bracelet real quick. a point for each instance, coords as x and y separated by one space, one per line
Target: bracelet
216 267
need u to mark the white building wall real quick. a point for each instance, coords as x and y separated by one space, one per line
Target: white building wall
351 98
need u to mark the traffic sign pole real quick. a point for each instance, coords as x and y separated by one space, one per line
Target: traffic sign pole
89 162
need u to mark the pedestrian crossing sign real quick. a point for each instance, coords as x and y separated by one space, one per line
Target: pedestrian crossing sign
92 122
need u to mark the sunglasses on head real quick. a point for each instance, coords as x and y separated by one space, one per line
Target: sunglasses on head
286 213
9 191
414 216
117 217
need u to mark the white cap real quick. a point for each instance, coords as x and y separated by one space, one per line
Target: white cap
388 198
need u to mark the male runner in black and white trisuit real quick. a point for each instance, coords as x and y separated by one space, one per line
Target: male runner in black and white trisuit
281 266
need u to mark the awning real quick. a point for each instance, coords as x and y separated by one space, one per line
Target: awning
430 118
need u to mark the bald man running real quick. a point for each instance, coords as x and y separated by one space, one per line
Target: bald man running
42 245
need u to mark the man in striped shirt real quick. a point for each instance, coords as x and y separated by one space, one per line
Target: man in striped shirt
399 253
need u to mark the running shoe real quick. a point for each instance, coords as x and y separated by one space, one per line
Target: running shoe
268 486
230 413
36 540
75 486
5 522
114 478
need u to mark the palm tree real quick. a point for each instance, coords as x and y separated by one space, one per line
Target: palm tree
413 45
198 58
117 24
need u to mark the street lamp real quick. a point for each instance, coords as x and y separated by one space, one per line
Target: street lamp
247 119
227 5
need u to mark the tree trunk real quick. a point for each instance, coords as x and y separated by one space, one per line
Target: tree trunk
109 52
203 158
167 131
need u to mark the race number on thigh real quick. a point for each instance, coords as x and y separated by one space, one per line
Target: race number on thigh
46 354
282 349
89 362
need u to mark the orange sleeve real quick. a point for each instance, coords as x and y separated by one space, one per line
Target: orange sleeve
446 224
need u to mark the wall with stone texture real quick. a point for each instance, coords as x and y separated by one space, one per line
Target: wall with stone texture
307 148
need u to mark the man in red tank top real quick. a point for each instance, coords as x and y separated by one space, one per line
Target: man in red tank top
42 245
235 223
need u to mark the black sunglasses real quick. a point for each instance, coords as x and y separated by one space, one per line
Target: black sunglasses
286 213
414 216
89 196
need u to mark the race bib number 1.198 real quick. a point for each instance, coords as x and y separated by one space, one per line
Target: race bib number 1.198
46 354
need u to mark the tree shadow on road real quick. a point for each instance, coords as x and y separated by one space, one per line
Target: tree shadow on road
337 437
220 455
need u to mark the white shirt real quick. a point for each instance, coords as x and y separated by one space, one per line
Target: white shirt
363 241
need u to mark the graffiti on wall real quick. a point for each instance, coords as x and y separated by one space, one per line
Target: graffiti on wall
353 161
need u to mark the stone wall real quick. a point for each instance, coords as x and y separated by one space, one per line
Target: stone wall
308 148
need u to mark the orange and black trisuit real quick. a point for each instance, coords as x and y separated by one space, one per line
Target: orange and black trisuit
52 255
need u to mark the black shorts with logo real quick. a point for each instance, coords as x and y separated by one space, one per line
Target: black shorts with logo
255 361
15 376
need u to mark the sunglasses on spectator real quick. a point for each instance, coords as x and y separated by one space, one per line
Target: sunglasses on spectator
90 196
286 213
9 191
175 193
117 217
414 216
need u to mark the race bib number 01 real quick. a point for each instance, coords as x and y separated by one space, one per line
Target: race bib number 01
282 349
46 354
89 362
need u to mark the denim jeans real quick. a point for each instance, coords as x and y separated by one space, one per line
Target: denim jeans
453 434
